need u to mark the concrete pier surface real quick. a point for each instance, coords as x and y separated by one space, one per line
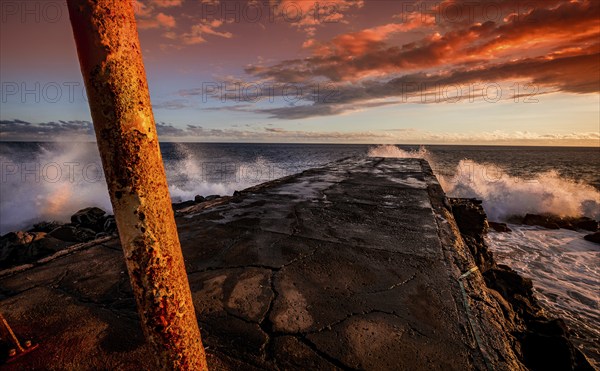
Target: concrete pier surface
356 265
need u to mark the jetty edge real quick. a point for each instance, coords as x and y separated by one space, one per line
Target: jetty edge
361 264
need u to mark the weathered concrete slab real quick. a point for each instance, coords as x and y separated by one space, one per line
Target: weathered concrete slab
351 266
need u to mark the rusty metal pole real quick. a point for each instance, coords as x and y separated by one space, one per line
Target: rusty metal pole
112 68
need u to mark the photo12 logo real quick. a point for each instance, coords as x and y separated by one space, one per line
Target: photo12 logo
33 11
490 92
445 12
50 172
91 172
239 92
268 11
42 92
254 11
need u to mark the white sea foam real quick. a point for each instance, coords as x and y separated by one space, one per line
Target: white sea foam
504 195
565 272
187 179
391 151
191 175
51 185
61 178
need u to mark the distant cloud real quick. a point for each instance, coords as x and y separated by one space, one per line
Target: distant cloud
160 20
172 104
307 15
199 31
151 15
23 130
166 3
318 109
406 135
83 130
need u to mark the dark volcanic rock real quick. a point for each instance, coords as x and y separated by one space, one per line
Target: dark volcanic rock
556 222
499 227
110 225
199 199
71 233
91 217
45 226
472 223
594 237
587 224
546 346
469 215
212 197
546 221
543 342
18 248
516 289
183 205
46 238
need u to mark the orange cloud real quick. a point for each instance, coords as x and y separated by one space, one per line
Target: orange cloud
308 14
199 31
160 20
367 53
166 3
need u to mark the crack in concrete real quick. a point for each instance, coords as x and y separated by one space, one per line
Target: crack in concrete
330 326
217 352
396 285
266 324
257 266
12 294
69 250
329 358
298 224
299 258
227 248
91 303
353 244
229 313
212 269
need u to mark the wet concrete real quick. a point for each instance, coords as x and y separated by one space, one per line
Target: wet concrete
351 266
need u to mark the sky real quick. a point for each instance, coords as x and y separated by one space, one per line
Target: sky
504 72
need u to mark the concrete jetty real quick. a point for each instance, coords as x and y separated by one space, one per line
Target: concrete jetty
356 265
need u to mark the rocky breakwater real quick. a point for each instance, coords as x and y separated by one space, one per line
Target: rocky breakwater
47 238
358 265
541 342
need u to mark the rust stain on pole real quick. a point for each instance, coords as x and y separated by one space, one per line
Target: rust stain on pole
112 67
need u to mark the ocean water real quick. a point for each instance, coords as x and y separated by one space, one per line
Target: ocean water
50 181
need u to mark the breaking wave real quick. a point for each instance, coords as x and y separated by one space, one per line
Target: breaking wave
389 150
50 183
504 195
190 174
